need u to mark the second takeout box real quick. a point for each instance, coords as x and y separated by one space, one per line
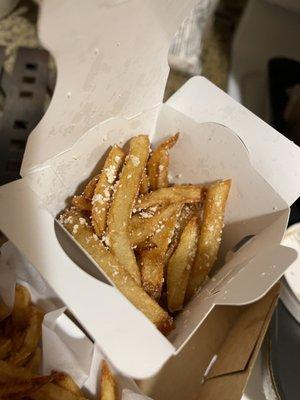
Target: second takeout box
109 90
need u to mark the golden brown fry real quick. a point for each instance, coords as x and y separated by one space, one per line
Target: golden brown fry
23 388
88 191
180 264
82 203
174 194
188 210
65 381
4 310
83 233
145 183
17 338
5 347
32 336
33 364
122 204
143 226
153 260
210 235
108 387
104 188
158 164
163 171
21 307
49 391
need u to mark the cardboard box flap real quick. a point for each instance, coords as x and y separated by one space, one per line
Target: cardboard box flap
109 54
244 336
275 157
177 381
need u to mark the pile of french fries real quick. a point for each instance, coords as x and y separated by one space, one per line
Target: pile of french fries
20 358
157 242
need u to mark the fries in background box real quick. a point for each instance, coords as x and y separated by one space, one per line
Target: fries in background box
21 356
154 240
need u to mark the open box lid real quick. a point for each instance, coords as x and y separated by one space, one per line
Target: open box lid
108 53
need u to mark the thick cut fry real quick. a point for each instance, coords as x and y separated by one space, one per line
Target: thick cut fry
145 183
21 307
33 364
158 164
188 210
19 389
153 260
143 226
88 191
174 194
210 235
108 387
5 347
65 381
122 204
180 264
83 233
31 339
82 203
104 188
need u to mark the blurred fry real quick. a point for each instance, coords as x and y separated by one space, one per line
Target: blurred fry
33 364
65 381
32 336
108 389
5 347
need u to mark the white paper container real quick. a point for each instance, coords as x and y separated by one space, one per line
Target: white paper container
219 139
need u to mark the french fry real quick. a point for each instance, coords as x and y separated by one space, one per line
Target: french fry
180 264
108 388
158 164
153 260
33 364
19 389
49 391
122 204
104 188
82 203
174 194
145 183
187 211
83 233
4 310
21 307
210 235
31 339
65 381
143 226
89 190
5 347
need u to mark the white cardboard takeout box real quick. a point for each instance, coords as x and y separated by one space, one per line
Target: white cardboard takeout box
109 89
